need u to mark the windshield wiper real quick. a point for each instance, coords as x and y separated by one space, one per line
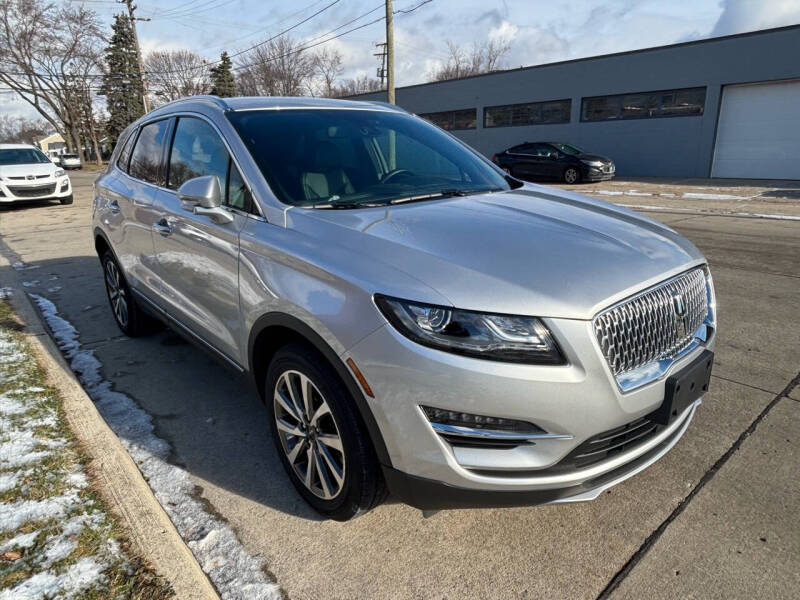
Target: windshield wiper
447 193
344 204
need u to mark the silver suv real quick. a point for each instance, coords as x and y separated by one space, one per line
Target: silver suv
416 320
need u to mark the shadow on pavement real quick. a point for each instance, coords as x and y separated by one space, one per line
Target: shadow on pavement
212 417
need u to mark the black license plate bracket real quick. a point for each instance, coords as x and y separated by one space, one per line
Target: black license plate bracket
684 387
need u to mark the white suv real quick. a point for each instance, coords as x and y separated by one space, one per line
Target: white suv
27 174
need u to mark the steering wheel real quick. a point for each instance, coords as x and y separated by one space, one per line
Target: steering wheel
394 173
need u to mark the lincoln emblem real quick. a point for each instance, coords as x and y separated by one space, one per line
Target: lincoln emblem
679 307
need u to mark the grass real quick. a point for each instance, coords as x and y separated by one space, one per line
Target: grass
87 529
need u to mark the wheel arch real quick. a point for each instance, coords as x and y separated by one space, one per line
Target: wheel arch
274 330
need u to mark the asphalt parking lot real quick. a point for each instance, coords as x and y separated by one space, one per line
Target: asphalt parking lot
715 518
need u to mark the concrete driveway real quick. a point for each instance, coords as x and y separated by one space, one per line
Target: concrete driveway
715 518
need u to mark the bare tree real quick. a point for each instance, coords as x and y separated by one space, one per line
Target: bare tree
280 67
173 74
47 55
19 130
327 68
480 58
358 85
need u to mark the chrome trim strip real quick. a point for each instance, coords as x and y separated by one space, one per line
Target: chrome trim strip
494 434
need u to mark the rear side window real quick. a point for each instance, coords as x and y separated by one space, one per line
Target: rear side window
125 153
197 150
146 159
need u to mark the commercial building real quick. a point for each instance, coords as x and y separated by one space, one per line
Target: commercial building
722 107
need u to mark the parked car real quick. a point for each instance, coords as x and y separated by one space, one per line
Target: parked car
27 174
413 318
70 161
554 161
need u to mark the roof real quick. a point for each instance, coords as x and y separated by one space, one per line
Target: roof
276 103
599 56
17 146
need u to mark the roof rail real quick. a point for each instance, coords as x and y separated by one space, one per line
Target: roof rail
215 99
386 104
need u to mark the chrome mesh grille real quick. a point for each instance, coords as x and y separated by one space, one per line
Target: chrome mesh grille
647 327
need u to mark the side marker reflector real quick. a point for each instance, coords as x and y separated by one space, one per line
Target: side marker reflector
361 379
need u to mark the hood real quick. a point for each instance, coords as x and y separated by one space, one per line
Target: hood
535 251
585 156
47 168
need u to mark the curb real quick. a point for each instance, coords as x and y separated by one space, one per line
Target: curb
121 484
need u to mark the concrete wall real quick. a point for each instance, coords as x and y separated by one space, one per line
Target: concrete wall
673 146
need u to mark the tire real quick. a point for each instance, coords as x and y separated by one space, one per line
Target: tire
66 199
571 175
348 481
131 320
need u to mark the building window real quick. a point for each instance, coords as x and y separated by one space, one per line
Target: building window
644 105
453 119
531 113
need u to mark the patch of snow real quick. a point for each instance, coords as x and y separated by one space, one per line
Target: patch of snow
58 548
235 573
637 193
23 540
9 480
5 292
54 289
609 192
11 406
15 514
70 584
21 266
704 196
19 449
33 283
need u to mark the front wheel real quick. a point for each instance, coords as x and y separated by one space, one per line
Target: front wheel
322 442
571 175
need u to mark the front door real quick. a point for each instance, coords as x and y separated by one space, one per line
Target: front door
197 258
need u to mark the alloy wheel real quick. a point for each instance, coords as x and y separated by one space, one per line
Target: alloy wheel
571 175
309 435
116 293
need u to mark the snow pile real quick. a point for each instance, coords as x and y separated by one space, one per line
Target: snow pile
235 573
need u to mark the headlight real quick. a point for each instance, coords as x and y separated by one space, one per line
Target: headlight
506 338
60 172
593 163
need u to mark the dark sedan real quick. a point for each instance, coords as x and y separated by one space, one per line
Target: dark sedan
554 160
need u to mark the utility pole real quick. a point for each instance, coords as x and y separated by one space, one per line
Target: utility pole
382 55
131 8
389 53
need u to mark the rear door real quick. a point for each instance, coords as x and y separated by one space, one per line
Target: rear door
526 164
129 191
197 258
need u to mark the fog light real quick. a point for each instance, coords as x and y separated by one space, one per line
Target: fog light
460 419
64 186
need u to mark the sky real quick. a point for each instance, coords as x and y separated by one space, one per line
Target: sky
538 31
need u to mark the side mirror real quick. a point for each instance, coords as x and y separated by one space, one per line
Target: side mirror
204 193
201 190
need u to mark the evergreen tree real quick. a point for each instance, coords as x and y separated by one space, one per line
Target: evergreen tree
123 82
222 82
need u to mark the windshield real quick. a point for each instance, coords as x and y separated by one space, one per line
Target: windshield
22 156
568 149
333 158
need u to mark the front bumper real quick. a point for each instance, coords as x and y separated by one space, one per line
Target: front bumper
597 174
39 189
578 400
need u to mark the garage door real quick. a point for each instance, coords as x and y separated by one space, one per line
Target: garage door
758 135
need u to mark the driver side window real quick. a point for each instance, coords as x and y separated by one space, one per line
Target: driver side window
197 151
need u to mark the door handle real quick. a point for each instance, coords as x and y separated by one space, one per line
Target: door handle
163 227
113 206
